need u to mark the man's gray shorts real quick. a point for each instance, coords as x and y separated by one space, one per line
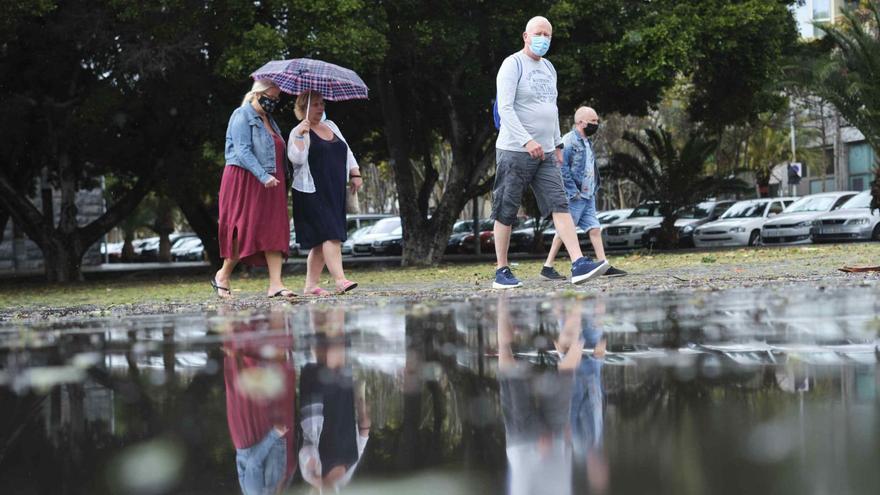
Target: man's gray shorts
514 171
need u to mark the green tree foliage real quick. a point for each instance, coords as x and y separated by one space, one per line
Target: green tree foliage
848 75
675 176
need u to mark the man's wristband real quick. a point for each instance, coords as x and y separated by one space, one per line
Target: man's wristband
353 176
298 137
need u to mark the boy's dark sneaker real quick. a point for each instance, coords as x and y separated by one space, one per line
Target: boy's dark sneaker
614 272
504 279
550 273
585 269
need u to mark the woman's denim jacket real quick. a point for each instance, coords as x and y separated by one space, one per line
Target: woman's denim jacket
248 143
573 167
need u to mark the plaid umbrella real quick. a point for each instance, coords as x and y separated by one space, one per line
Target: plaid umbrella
299 75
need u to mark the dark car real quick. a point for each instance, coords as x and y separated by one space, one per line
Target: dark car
390 244
688 220
460 230
380 230
487 239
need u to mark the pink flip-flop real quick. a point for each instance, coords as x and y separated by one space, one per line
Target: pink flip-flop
346 286
317 291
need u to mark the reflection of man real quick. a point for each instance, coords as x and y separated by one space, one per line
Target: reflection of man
580 176
333 438
536 408
587 406
260 392
528 151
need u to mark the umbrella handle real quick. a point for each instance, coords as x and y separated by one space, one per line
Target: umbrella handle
308 105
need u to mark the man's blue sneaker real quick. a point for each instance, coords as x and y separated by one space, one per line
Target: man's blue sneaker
585 269
504 279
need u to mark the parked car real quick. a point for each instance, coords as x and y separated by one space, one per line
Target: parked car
611 217
189 248
348 245
688 220
390 244
522 237
629 233
741 224
550 232
383 227
487 239
793 225
459 231
113 251
853 221
356 222
150 250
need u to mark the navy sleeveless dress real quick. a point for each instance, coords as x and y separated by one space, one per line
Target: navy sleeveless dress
320 216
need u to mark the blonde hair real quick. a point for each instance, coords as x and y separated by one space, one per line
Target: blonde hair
302 100
260 86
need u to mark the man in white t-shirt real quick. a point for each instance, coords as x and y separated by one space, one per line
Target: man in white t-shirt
528 153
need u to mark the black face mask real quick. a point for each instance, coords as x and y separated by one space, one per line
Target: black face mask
590 129
268 104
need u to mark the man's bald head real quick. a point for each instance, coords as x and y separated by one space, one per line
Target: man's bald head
585 115
538 23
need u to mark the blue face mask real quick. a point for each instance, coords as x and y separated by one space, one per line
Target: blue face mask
539 44
323 116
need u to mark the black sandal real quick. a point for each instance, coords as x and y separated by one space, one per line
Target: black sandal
289 296
218 288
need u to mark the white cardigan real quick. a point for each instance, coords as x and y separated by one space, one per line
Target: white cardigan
302 175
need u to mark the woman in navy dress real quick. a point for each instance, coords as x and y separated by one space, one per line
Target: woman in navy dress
323 166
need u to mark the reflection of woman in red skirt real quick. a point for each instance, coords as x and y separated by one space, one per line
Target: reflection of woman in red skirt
254 227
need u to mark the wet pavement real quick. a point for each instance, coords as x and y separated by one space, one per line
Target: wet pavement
732 391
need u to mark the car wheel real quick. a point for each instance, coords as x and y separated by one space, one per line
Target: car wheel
876 234
755 238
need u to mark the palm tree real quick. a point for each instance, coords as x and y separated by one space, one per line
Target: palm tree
674 177
849 76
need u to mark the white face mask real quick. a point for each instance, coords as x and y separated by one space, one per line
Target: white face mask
324 116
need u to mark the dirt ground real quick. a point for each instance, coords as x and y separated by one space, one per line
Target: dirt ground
771 268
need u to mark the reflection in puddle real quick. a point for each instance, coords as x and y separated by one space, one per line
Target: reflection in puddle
726 392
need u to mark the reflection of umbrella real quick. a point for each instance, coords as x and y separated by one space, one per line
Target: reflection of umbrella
296 76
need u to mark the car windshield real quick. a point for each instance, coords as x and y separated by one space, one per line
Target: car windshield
188 243
860 200
487 225
360 232
700 210
463 226
812 203
385 226
649 210
746 209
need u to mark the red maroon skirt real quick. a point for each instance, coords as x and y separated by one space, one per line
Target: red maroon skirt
253 215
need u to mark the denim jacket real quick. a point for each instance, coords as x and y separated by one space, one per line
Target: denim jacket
248 143
574 164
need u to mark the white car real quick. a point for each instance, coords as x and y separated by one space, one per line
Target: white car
364 245
741 224
629 233
793 225
611 217
853 221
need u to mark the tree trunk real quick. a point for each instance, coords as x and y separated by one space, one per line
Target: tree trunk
668 238
201 218
4 219
63 246
164 226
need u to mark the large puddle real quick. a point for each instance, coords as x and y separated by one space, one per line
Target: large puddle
719 392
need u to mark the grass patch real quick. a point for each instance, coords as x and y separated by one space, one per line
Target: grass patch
195 289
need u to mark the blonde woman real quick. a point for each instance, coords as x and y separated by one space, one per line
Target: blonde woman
253 227
323 166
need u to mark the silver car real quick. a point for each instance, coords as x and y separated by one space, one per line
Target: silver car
853 221
629 233
741 224
793 225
